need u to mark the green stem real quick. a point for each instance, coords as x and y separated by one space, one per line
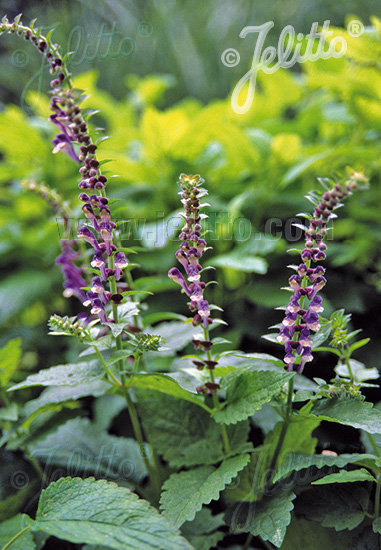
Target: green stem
216 403
374 445
104 364
152 472
16 537
246 546
284 428
36 465
377 498
348 363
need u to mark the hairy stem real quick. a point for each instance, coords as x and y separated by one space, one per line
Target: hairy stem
216 402
284 429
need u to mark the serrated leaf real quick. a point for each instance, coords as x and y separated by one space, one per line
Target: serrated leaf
59 394
359 371
247 392
185 493
178 429
10 356
165 384
297 461
81 447
345 477
271 517
71 374
100 512
341 507
13 526
350 412
311 535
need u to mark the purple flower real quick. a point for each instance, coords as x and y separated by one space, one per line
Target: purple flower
98 288
176 276
73 275
120 263
99 262
85 233
62 142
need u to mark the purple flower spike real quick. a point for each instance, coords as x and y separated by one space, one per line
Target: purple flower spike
99 262
85 233
176 276
73 275
120 263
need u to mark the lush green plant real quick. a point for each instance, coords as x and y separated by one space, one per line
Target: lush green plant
191 398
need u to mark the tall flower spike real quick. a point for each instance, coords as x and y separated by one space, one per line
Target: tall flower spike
74 139
300 321
191 249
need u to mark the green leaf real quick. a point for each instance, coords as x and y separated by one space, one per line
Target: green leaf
268 518
247 392
311 535
165 384
350 412
71 374
11 527
185 493
81 447
249 264
253 480
178 429
10 356
201 532
100 512
203 522
60 394
377 525
358 345
341 507
359 371
297 461
11 505
345 477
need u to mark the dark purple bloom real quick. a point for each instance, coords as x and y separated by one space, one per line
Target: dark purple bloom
62 142
120 263
99 262
85 233
176 276
73 275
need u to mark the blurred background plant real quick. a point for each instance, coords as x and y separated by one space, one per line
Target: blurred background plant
154 71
